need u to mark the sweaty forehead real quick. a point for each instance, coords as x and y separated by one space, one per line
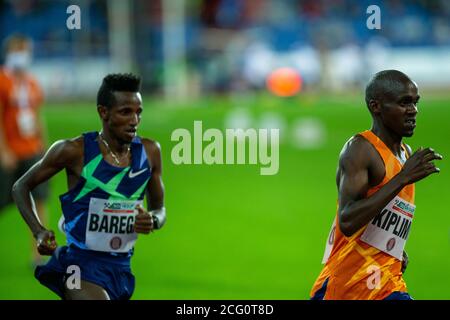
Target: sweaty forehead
127 98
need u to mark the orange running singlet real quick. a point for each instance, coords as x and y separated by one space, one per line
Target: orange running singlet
367 265
19 104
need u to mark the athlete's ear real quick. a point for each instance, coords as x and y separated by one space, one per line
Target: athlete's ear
103 112
374 106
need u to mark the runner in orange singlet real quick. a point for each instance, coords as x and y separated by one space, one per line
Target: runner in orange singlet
365 256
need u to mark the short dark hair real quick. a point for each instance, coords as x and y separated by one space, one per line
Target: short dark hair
116 82
385 82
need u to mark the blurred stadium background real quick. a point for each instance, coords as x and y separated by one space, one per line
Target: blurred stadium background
231 233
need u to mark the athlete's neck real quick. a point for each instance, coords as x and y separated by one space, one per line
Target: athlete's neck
390 139
116 146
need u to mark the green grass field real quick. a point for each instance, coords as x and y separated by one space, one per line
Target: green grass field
234 234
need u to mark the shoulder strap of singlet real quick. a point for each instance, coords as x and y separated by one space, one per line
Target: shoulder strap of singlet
407 154
138 154
378 144
385 153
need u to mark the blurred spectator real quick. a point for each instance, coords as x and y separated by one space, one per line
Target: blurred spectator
21 131
221 35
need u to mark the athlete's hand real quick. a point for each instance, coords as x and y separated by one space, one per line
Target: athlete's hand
420 165
143 222
46 242
405 261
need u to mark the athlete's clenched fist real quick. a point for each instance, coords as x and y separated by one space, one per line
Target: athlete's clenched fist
144 221
46 242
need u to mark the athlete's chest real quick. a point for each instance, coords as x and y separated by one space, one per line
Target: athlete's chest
116 181
100 174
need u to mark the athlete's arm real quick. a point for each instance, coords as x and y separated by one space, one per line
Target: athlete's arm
155 188
154 192
60 155
405 260
355 210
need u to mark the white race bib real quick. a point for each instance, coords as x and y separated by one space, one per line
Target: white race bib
389 230
110 225
330 243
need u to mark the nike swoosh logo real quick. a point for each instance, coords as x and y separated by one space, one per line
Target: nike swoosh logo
132 174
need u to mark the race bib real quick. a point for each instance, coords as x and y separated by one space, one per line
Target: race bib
389 230
110 225
26 123
330 243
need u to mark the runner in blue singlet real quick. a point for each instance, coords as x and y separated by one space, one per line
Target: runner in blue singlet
108 175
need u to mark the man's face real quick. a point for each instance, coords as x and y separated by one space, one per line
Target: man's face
18 56
123 118
398 109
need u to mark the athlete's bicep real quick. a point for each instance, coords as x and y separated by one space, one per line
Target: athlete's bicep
354 178
155 187
54 160
353 183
